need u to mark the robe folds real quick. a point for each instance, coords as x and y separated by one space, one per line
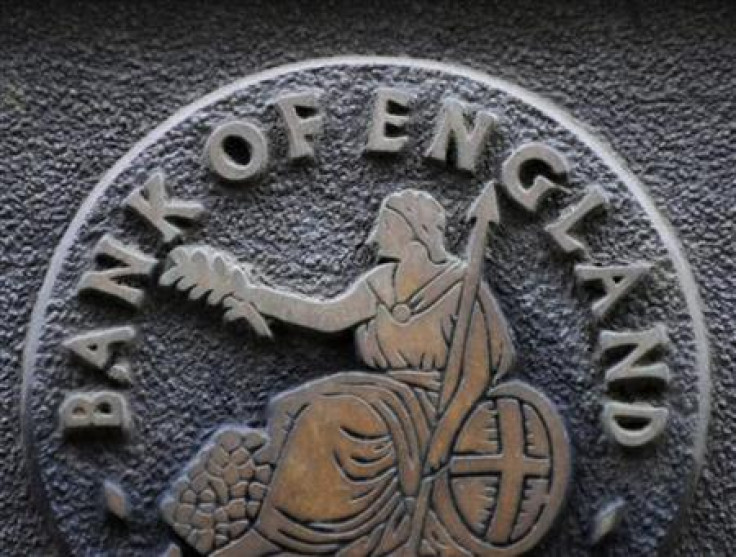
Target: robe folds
349 449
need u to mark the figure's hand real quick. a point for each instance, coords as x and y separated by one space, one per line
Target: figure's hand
244 286
242 304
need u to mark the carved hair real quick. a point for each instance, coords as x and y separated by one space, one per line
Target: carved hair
424 215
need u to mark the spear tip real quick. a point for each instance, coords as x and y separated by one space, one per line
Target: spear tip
484 209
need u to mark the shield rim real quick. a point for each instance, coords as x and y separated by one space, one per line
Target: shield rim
562 473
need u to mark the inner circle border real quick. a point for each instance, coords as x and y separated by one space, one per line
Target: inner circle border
660 223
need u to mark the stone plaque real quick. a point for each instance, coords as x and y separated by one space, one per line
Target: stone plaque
367 306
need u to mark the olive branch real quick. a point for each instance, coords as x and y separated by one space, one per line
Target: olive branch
216 276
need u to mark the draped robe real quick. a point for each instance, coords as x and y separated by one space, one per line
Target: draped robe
349 449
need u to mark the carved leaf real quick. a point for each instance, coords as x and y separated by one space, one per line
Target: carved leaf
207 273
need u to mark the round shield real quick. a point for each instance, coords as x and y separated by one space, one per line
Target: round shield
508 475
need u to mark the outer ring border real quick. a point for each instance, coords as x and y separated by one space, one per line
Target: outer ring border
662 226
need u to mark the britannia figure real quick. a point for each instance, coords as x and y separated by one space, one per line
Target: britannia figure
359 463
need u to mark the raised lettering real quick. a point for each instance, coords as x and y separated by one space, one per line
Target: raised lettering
104 410
237 151
153 204
641 343
616 280
561 229
633 424
522 160
95 348
136 264
300 112
390 114
452 130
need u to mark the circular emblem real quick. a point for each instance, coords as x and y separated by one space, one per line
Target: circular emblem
367 306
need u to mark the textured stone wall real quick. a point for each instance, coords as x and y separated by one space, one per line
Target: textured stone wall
81 82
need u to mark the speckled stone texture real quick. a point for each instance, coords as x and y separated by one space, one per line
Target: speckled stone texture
79 85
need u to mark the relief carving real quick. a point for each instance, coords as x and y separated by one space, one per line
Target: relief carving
426 451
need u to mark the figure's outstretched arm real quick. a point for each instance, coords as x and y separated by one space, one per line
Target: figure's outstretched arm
346 310
217 277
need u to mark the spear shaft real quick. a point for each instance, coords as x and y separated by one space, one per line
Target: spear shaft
483 211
